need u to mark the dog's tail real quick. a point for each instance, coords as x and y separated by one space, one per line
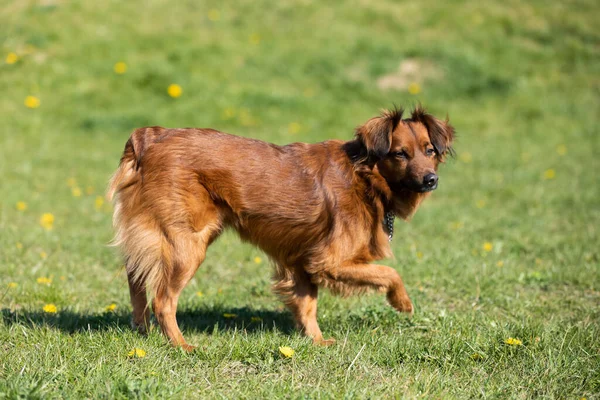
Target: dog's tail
143 245
139 141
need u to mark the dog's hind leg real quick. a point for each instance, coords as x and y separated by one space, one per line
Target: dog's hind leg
300 295
139 301
189 250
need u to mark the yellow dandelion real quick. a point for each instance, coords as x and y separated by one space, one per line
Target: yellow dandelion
174 90
228 113
257 260
480 203
50 308
199 293
457 225
488 246
308 92
137 353
71 182
21 206
561 149
120 68
76 192
89 190
31 102
500 264
43 255
98 203
12 285
414 88
286 351
294 128
47 221
419 255
42 280
465 157
254 39
111 307
12 58
513 342
214 15
19 245
256 319
476 357
229 315
549 174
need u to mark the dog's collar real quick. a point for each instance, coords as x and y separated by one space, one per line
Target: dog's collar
388 222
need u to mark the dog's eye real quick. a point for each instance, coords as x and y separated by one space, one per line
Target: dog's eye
430 152
401 154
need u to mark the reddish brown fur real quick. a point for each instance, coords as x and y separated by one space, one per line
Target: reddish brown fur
315 209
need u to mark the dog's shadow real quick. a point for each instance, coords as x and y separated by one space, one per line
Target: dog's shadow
203 320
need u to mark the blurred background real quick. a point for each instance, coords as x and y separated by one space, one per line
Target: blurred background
514 221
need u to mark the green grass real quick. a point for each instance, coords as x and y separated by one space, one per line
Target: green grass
519 82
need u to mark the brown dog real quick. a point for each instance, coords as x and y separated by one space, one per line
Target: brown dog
322 212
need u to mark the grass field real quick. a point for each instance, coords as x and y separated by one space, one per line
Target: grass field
507 247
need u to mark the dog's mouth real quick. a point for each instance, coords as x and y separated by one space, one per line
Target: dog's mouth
411 187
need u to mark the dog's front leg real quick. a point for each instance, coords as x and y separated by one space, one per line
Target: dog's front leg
300 295
379 277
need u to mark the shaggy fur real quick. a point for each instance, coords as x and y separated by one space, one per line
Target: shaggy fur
315 209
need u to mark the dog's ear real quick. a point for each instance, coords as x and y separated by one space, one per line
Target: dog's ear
376 134
441 133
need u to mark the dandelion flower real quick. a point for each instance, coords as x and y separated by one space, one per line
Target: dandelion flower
21 206
286 351
137 353
254 39
199 293
549 174
513 342
414 88
257 260
476 357
42 280
98 203
76 192
488 246
229 316
419 255
228 113
31 102
43 255
466 157
12 58
47 221
294 128
110 307
12 285
500 263
50 309
174 90
214 15
120 68
19 245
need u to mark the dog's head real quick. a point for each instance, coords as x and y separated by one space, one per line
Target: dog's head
407 152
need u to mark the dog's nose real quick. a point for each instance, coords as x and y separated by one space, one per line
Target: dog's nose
430 181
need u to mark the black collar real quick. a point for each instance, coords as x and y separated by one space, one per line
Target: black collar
388 223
